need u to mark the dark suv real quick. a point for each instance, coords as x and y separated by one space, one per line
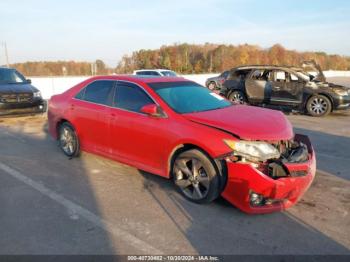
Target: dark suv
285 87
17 95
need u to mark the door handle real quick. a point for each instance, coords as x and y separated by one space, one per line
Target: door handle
277 87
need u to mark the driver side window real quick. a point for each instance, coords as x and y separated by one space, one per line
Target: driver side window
130 97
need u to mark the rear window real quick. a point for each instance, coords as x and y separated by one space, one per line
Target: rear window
168 73
147 73
99 92
240 74
225 74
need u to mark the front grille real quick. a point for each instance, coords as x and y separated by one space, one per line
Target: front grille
283 146
16 98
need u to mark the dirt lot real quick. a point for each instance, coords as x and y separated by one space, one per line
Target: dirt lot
91 205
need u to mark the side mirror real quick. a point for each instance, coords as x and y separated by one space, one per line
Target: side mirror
152 110
29 81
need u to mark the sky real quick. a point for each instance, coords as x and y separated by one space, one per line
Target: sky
48 30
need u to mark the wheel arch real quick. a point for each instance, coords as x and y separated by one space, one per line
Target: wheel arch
219 164
236 88
60 122
319 93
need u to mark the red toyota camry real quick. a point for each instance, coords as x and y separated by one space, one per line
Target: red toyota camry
177 129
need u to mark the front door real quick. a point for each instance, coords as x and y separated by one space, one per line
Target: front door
134 136
286 88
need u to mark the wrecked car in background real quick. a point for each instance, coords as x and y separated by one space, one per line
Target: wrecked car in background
286 87
215 82
17 95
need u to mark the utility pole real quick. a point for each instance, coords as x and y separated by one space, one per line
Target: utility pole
92 69
6 54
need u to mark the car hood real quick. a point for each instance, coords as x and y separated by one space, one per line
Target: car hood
316 68
246 122
17 88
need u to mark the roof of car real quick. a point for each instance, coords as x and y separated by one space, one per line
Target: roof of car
157 70
265 67
141 79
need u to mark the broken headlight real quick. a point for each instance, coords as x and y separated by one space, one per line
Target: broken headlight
341 91
253 150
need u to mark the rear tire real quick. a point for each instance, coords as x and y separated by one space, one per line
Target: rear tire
318 105
237 97
68 140
196 176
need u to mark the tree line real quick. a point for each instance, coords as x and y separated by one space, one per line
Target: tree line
207 58
63 68
188 59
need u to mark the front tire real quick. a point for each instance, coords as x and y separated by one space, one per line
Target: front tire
196 176
318 105
68 140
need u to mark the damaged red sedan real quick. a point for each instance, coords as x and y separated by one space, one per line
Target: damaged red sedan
178 129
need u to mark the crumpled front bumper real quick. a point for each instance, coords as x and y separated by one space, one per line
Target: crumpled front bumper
341 103
284 192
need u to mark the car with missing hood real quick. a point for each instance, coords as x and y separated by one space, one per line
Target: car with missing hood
17 95
180 130
286 87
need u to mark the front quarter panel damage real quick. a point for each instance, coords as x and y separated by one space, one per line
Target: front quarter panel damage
244 178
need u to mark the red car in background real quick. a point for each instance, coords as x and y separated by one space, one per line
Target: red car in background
177 129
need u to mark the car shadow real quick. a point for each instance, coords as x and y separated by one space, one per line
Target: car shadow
220 228
332 152
35 222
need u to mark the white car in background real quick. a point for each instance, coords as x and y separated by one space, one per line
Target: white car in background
154 72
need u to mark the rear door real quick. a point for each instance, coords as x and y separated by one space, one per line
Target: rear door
258 86
89 111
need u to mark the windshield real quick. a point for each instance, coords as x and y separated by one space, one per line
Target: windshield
188 97
10 76
168 73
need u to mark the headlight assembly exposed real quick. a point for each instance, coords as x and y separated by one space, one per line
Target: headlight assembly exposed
37 94
253 150
340 91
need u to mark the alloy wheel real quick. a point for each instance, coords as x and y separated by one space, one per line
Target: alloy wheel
67 140
318 106
237 97
192 178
